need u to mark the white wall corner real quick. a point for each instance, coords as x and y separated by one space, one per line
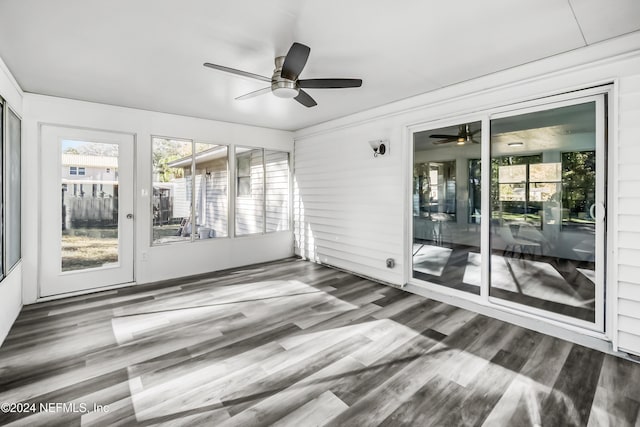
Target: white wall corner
10 90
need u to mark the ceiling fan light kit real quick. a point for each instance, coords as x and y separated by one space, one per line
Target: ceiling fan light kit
280 86
285 82
464 136
283 91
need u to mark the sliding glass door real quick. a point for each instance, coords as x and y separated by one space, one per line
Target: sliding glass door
446 206
534 240
548 180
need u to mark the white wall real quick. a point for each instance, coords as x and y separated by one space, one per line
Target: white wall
11 286
152 262
351 208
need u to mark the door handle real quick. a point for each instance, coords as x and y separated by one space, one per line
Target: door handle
604 212
598 216
130 216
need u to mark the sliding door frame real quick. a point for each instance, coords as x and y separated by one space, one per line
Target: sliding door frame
604 324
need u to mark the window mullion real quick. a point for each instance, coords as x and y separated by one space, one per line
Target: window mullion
485 203
264 192
193 190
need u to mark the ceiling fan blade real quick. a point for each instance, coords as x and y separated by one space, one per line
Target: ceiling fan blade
254 93
295 61
329 83
443 141
237 72
305 99
438 135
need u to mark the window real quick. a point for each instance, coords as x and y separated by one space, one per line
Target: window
244 174
10 159
475 191
13 242
518 189
277 190
250 200
2 140
190 182
578 181
262 202
89 231
75 170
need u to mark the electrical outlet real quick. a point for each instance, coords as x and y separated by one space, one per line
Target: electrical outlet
145 256
391 263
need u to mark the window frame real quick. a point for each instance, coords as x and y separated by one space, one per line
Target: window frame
194 143
244 176
264 230
3 135
5 192
251 193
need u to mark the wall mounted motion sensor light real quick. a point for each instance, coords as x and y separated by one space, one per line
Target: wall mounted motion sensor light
379 147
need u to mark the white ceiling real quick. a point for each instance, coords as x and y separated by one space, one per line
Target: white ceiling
559 129
148 54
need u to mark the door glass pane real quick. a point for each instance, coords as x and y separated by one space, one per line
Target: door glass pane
211 191
277 194
172 190
1 184
249 191
89 205
13 190
543 195
446 206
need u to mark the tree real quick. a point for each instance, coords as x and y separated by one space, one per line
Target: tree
578 180
166 151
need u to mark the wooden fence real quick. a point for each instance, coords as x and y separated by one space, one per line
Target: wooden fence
89 212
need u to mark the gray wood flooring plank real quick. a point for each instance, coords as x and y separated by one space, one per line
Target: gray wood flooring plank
297 343
572 396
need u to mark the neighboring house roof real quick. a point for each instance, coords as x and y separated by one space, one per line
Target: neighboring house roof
89 161
82 180
217 152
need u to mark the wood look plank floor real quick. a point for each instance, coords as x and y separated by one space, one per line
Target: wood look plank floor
292 343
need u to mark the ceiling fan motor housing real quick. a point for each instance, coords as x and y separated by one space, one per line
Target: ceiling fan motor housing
281 87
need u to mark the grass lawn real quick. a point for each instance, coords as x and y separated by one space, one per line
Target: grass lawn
89 249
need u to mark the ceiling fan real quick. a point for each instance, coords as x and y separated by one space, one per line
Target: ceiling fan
285 82
464 135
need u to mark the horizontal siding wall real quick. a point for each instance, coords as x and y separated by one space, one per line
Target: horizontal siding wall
628 215
347 206
269 193
215 199
276 165
249 208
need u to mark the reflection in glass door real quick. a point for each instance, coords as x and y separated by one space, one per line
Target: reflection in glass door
447 206
547 209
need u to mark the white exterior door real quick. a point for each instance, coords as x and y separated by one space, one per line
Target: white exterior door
87 223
